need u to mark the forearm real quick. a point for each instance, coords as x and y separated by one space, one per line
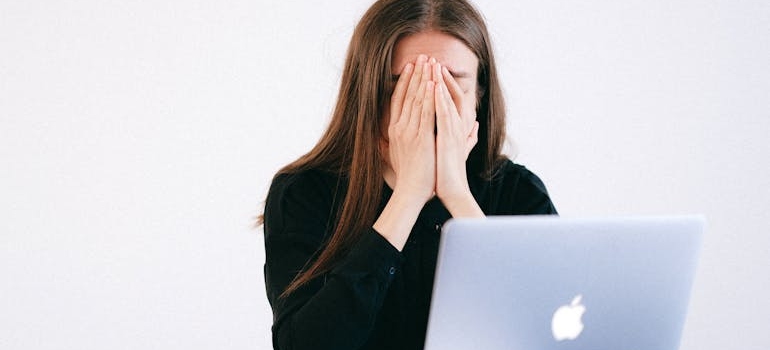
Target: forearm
338 317
398 217
338 311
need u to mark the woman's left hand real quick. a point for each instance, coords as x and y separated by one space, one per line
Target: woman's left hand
457 134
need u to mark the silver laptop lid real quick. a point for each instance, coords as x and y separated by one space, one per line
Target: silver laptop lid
544 282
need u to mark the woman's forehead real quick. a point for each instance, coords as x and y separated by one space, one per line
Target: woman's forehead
448 50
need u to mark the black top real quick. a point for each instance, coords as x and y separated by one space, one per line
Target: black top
377 297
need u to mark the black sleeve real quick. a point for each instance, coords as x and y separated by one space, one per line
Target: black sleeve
336 311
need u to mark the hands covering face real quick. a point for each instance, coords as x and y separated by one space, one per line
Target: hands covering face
427 98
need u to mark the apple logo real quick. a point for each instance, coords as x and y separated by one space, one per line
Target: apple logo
566 323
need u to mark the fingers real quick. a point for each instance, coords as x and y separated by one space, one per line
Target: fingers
449 119
412 89
399 92
446 112
427 119
442 110
454 87
425 91
419 109
457 96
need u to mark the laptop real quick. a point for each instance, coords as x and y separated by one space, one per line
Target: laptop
547 282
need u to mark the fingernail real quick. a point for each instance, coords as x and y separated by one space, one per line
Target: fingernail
432 60
421 58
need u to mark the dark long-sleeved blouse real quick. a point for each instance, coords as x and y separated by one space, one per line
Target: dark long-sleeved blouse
376 297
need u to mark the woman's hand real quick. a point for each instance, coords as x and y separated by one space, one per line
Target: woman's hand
411 149
457 134
411 142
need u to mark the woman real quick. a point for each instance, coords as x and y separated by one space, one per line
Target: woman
352 227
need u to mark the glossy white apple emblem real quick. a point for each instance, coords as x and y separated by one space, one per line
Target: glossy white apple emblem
566 323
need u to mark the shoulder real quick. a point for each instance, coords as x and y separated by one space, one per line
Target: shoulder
310 181
511 173
518 190
302 197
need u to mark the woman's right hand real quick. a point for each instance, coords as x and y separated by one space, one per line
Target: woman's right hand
411 139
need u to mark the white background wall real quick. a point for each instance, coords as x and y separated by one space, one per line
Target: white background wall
137 141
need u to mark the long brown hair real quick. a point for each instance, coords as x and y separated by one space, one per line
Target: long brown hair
349 146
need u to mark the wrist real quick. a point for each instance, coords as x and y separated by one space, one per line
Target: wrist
462 205
455 195
398 217
409 198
